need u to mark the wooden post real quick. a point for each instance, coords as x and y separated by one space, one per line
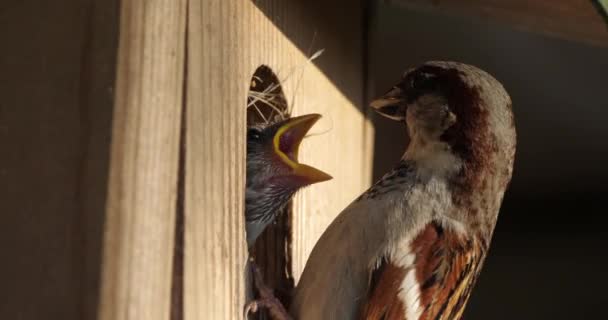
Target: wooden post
138 244
227 41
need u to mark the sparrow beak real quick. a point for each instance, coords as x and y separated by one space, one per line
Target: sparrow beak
286 144
391 105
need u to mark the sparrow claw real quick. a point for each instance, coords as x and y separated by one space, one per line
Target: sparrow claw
274 306
267 299
250 307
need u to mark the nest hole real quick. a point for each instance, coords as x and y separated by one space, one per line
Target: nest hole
272 251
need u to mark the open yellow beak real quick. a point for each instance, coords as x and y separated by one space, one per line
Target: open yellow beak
286 144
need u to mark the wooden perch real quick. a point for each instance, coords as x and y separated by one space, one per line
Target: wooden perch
575 20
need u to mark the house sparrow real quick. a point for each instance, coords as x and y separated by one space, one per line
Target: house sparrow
412 246
273 171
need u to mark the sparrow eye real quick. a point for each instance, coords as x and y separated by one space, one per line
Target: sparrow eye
422 81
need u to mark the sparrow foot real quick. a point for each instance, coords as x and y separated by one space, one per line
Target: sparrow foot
273 305
266 300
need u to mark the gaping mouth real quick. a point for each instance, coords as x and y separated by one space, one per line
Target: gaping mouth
287 143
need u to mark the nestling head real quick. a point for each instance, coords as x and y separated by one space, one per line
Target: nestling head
273 171
272 153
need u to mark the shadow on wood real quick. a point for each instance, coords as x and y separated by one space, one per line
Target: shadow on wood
57 95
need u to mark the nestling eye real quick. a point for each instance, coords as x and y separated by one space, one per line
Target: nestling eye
254 134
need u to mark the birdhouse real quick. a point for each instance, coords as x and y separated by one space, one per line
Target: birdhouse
123 125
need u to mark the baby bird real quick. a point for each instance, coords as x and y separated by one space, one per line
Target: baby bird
273 171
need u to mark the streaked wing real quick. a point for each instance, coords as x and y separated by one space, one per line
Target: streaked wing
429 278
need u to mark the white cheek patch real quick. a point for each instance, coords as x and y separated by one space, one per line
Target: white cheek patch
433 158
448 120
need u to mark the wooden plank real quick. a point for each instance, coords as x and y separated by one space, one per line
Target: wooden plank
575 20
227 41
138 247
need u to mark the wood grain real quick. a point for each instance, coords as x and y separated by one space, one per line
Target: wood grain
575 20
227 41
138 244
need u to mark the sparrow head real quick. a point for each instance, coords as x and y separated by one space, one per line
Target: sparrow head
273 171
418 100
462 116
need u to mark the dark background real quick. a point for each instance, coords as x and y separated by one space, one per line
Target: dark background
57 69
548 257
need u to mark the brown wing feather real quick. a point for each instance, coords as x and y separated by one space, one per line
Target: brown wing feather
446 266
384 302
